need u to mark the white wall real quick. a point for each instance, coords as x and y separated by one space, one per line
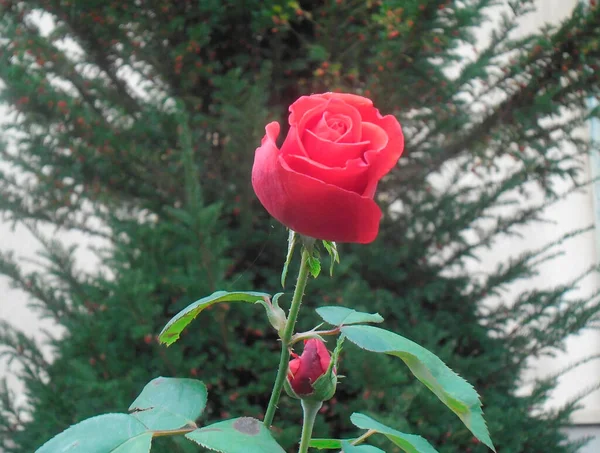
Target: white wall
584 432
577 211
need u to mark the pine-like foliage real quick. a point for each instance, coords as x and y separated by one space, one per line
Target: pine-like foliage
136 123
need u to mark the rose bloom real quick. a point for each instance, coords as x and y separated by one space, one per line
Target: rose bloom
305 369
322 181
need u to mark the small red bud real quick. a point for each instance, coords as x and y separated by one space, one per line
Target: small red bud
308 367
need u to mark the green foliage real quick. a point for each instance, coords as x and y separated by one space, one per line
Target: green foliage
170 333
104 433
407 442
324 387
326 444
347 447
240 435
342 316
451 389
155 168
292 238
164 406
331 248
314 262
170 403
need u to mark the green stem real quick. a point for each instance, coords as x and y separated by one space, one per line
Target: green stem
364 437
310 409
286 338
173 432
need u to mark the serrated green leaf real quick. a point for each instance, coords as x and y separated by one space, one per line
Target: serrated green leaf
347 447
170 333
331 248
327 444
170 403
138 444
338 316
450 388
240 435
409 443
108 433
314 265
290 253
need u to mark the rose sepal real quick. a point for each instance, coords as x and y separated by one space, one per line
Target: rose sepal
275 313
292 240
289 390
312 333
323 388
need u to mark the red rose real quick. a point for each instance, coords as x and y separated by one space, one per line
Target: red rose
304 370
322 181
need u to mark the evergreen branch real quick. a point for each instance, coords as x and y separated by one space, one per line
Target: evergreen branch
521 267
504 114
23 349
506 225
33 284
96 50
192 186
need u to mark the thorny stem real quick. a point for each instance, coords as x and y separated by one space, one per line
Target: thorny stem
286 338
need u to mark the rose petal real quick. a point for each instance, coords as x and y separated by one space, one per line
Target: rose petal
331 154
312 117
324 151
323 353
369 114
375 135
353 177
303 105
383 160
293 366
326 127
292 144
307 205
323 130
308 371
359 102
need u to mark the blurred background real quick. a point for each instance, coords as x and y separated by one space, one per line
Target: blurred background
128 134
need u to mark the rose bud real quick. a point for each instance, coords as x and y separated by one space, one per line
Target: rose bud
322 181
305 370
